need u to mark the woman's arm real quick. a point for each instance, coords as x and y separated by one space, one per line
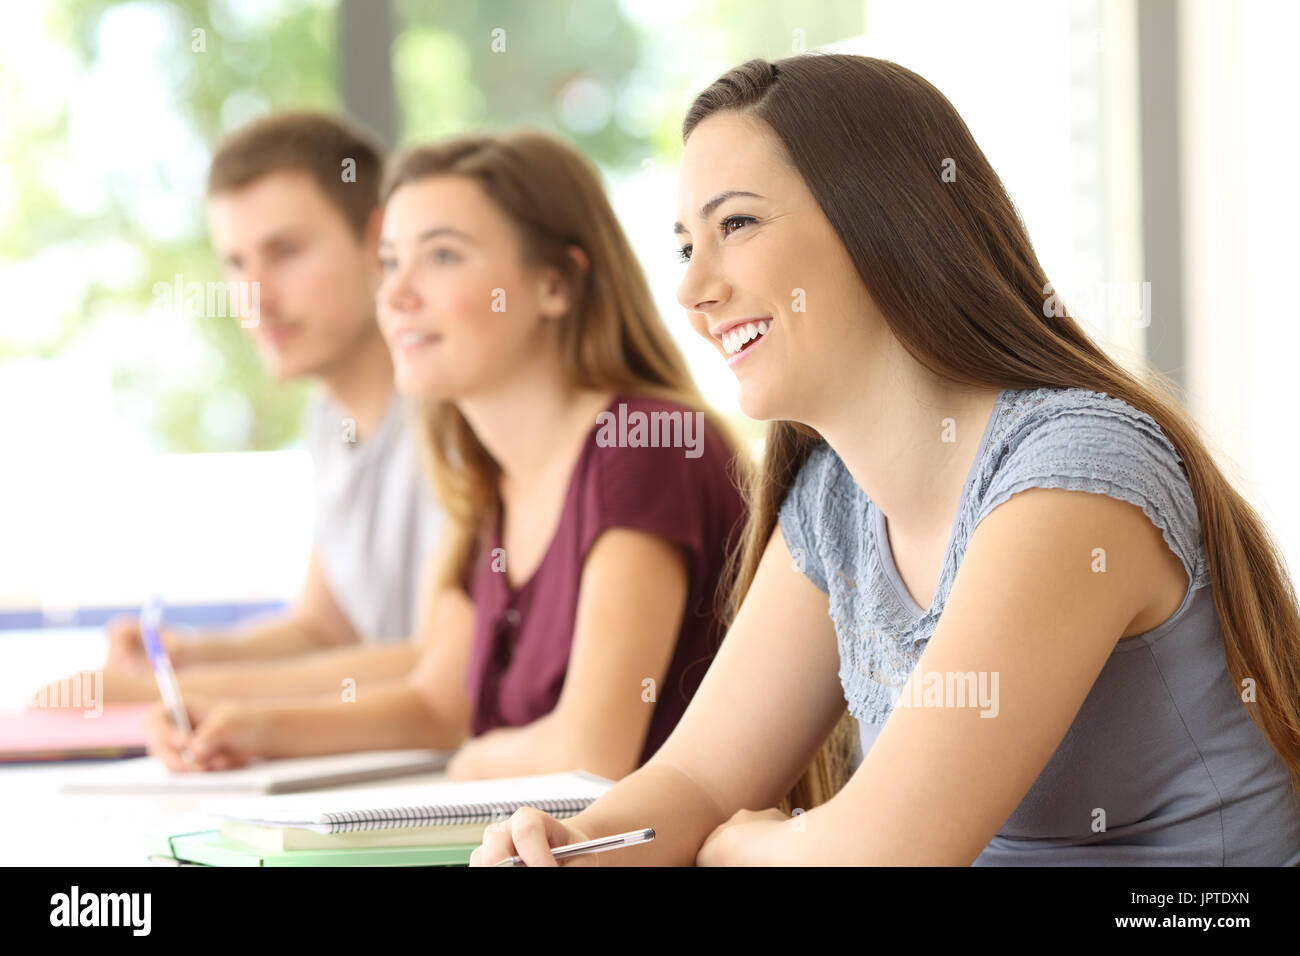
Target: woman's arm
1028 626
767 703
629 612
427 709
430 708
388 716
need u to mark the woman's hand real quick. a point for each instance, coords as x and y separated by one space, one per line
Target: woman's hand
738 842
530 834
227 734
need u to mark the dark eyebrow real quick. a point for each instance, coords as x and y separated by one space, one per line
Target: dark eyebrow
713 204
284 234
433 234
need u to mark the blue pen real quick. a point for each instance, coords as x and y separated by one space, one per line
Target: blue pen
150 619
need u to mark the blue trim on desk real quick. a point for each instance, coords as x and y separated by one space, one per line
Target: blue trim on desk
192 615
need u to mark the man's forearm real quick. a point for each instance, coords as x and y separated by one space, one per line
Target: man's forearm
322 672
661 796
265 641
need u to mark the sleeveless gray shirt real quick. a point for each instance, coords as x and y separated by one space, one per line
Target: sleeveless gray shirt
1162 744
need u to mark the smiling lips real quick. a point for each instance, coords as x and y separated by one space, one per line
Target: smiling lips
413 339
737 337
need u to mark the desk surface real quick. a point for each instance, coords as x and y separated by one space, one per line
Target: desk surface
47 828
93 829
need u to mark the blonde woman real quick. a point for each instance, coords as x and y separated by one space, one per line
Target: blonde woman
590 500
1062 636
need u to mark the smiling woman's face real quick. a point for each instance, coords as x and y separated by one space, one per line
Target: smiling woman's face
763 255
460 309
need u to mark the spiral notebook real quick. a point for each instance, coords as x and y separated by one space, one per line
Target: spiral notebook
427 815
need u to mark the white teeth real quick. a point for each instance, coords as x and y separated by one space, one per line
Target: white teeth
733 341
413 338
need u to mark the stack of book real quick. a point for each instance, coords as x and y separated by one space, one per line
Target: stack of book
436 824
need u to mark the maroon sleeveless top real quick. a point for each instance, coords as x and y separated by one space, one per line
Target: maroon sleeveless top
522 636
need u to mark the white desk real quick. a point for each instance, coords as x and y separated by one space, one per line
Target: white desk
92 829
47 828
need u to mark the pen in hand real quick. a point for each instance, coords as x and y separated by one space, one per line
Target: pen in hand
598 845
150 620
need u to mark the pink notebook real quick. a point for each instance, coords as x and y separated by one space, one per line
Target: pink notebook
68 734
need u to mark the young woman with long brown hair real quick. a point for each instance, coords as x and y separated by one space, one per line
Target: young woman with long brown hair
1062 636
590 497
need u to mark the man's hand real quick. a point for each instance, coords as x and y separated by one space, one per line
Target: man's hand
107 687
126 647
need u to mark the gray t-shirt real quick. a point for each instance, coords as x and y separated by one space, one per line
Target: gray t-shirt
376 523
1163 744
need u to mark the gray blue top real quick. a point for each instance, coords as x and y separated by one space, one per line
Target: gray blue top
1163 744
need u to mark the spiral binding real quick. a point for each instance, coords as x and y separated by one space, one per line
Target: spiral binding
352 820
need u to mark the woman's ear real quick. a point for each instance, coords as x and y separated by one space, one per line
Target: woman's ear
579 256
561 288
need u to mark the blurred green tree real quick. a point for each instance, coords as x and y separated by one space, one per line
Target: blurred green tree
112 109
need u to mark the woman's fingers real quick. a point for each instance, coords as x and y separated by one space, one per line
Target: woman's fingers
226 737
530 834
529 831
164 740
496 845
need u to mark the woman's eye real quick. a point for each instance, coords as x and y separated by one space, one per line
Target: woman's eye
728 226
387 265
730 221
443 256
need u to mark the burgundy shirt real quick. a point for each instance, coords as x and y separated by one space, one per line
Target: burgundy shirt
522 637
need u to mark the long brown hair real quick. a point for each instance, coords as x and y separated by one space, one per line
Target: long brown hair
612 338
952 269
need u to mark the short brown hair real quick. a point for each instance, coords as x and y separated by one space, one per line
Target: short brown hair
314 143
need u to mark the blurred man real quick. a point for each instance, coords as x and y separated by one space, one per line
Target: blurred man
293 207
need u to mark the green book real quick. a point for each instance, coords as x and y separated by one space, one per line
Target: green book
210 848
